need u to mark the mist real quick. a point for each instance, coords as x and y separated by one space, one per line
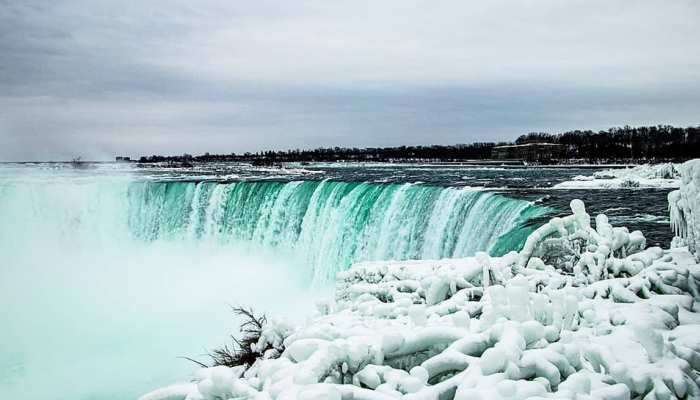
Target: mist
91 313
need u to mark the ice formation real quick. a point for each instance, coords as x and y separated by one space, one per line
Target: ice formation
646 171
684 207
584 311
642 176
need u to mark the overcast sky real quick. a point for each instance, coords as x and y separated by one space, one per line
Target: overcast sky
99 78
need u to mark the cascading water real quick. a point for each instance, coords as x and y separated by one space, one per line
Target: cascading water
332 224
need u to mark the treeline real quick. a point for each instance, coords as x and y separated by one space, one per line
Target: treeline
663 142
647 143
474 151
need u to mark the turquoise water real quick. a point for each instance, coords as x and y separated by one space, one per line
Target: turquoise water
331 225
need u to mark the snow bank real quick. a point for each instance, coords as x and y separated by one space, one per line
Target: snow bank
642 176
584 311
684 207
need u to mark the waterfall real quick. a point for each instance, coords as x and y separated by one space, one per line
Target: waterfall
332 224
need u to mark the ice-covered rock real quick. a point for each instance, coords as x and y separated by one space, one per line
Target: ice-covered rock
584 311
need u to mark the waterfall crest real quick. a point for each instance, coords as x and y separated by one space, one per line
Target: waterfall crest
332 224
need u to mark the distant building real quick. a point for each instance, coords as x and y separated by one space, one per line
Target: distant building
123 159
541 152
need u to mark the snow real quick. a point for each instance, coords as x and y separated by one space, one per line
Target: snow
642 176
584 311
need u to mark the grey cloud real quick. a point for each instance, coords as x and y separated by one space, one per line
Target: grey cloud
106 77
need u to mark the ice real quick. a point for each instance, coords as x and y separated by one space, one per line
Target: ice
684 207
642 176
584 311
647 171
173 392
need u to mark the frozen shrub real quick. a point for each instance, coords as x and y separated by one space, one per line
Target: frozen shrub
251 346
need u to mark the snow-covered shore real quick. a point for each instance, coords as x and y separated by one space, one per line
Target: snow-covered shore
583 311
642 176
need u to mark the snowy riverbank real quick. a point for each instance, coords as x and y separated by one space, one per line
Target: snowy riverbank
583 311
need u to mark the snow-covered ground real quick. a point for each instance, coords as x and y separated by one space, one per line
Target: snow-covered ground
641 176
582 312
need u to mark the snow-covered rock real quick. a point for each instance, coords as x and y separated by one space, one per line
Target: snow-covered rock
584 311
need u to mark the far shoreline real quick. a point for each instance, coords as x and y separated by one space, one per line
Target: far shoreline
515 164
